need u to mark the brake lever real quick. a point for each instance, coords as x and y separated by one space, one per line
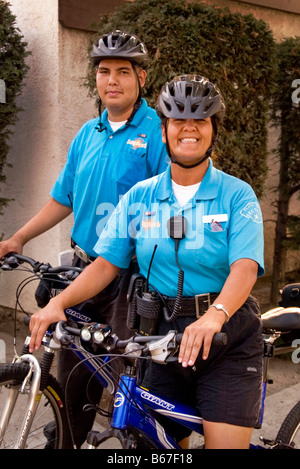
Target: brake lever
161 350
60 335
10 263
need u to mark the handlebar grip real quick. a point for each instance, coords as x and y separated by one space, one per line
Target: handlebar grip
52 326
219 339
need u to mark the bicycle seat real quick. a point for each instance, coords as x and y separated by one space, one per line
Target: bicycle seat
281 319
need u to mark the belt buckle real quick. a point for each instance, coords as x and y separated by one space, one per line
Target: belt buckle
197 304
81 254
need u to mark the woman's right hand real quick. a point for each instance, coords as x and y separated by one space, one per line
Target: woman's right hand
197 335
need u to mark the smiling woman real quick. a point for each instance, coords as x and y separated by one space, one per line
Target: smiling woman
189 140
190 117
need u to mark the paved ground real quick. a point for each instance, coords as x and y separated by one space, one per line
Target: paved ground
281 396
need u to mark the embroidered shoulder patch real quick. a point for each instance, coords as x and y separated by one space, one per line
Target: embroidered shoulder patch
252 210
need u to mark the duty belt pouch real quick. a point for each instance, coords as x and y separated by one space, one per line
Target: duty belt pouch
136 285
143 307
148 309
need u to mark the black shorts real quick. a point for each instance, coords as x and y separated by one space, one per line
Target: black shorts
227 386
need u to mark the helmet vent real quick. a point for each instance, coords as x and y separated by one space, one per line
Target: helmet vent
188 90
180 106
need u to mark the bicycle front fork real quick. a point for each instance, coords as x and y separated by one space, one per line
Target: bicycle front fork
30 385
119 420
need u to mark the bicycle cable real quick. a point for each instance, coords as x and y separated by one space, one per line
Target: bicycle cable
116 380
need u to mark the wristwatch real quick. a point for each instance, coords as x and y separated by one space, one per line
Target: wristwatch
220 307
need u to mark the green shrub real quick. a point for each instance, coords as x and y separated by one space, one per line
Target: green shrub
286 117
236 52
12 72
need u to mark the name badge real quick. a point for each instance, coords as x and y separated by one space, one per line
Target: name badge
220 217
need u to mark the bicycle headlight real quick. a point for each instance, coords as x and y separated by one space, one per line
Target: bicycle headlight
85 334
98 337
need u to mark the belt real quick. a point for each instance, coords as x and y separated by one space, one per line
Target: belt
81 253
192 306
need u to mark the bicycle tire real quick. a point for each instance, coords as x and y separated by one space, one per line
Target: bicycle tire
50 428
289 432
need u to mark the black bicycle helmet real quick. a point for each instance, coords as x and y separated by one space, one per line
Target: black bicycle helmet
121 45
125 46
191 96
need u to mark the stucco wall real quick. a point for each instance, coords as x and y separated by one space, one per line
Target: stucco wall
55 106
282 23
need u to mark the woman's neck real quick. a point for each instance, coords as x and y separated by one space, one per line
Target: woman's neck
188 177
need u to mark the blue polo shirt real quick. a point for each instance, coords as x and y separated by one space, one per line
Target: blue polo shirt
224 224
102 166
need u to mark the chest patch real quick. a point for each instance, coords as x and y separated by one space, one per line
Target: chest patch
137 143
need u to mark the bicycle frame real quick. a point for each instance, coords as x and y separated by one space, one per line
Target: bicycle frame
135 407
131 411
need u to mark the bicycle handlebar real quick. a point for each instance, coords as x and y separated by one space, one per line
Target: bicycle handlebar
219 339
14 260
161 347
101 334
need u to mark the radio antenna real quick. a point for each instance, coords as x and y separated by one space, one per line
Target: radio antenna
148 275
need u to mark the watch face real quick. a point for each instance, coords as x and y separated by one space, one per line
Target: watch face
219 306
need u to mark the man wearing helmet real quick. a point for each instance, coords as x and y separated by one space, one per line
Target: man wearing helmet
107 157
117 58
205 228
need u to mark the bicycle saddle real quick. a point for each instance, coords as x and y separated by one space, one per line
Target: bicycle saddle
281 319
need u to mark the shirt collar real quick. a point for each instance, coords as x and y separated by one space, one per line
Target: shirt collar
208 188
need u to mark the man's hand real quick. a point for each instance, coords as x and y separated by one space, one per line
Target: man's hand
40 322
10 245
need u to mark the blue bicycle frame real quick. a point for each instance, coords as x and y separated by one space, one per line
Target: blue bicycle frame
131 409
135 407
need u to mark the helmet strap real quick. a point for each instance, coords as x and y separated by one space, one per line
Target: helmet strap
99 127
139 98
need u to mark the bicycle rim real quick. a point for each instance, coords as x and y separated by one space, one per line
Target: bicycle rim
48 427
289 432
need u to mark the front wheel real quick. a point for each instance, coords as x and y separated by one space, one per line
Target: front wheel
49 429
289 432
